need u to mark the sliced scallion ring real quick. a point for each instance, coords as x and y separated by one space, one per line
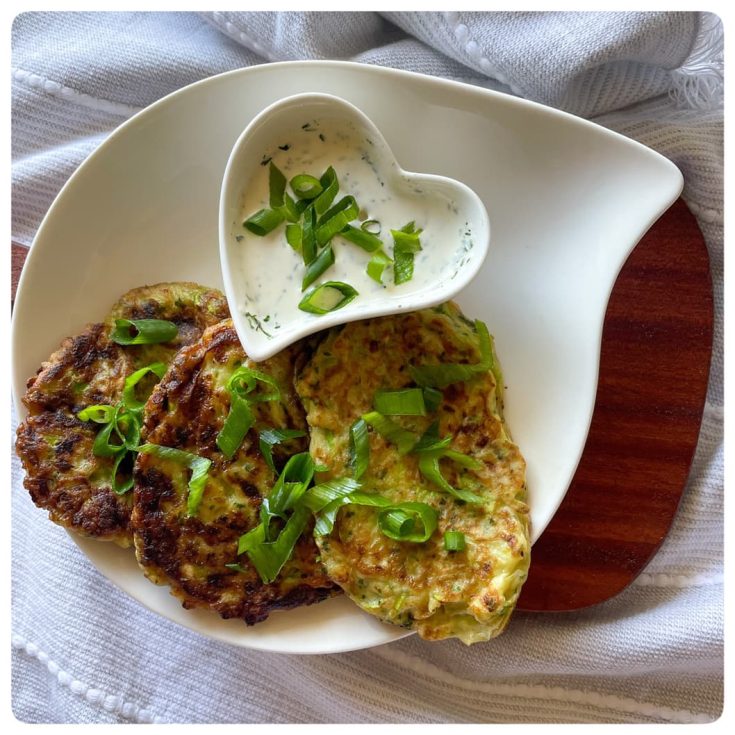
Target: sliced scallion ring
328 297
371 226
308 238
100 414
306 186
143 331
361 238
330 187
318 266
129 399
237 424
336 219
276 186
406 402
405 244
263 221
359 448
414 522
379 261
293 236
454 541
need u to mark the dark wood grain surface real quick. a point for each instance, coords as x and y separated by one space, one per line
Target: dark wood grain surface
657 342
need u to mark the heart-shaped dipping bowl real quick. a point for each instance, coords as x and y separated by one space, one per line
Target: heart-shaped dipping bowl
263 275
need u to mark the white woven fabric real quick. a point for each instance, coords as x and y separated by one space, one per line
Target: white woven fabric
84 652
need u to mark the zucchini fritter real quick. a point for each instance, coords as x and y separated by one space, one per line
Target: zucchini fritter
62 474
468 594
190 553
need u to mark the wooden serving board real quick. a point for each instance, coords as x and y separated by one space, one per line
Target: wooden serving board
656 348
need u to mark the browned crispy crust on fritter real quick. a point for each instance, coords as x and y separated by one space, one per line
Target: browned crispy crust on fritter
62 474
186 411
64 477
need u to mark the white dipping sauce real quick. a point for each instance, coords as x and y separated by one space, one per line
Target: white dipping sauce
272 271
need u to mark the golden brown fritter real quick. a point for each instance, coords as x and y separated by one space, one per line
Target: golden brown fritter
62 474
190 553
467 594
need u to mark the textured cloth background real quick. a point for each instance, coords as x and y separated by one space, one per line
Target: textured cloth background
84 652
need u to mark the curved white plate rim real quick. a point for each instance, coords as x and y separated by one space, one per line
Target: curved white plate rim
118 568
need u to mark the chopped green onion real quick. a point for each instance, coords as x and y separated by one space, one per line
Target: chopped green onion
378 263
293 236
308 238
405 244
440 376
454 541
330 187
336 219
406 402
127 429
199 467
318 266
359 448
414 522
291 210
290 486
432 398
237 424
129 399
330 296
268 557
122 486
245 380
143 331
430 441
240 418
320 496
306 186
390 430
463 460
263 221
276 186
429 468
359 237
398 521
101 414
372 226
270 437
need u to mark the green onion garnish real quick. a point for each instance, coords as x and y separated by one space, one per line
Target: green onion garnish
405 244
432 398
372 226
122 479
318 266
101 414
143 331
242 387
336 219
454 541
199 467
429 468
293 236
330 187
390 430
306 186
413 522
263 221
288 490
369 243
440 376
270 437
291 210
308 238
129 399
276 186
330 296
378 263
268 557
406 402
320 496
359 448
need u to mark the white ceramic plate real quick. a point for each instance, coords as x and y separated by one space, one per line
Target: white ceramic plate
567 201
